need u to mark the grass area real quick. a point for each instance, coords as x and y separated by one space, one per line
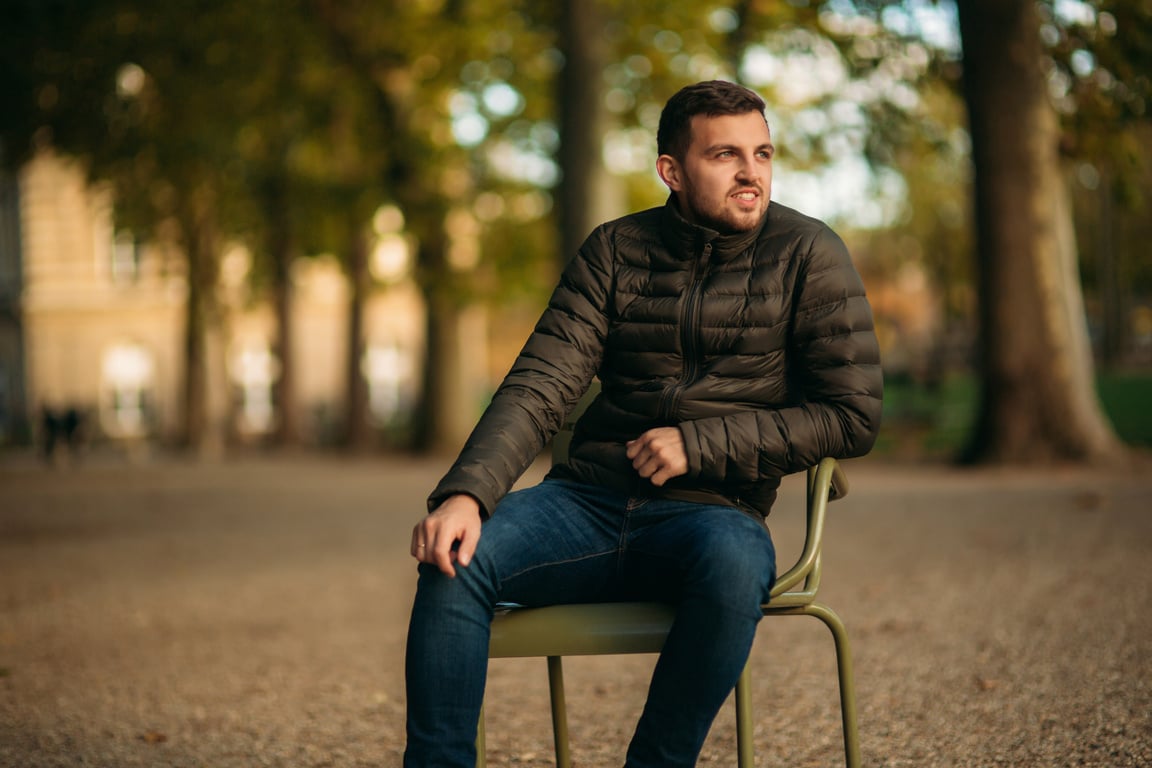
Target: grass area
933 423
1127 400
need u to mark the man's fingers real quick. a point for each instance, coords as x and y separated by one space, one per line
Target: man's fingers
420 537
441 549
466 549
442 559
641 452
454 524
646 466
432 544
466 543
658 455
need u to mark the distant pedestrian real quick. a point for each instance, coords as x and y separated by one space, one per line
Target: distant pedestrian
50 428
61 430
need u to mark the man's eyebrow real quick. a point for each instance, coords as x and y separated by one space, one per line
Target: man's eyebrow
767 146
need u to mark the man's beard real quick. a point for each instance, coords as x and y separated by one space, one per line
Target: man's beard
721 218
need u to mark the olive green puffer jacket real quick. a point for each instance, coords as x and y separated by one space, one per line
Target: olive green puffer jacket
759 346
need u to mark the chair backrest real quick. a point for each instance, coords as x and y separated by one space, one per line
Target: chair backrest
826 482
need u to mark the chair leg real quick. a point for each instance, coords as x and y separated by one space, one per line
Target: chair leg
559 712
481 753
744 751
847 686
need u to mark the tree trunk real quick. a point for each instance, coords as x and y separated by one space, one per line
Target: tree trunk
584 197
419 194
357 427
200 434
449 403
1038 399
280 255
1113 298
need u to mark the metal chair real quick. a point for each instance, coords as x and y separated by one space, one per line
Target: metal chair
618 628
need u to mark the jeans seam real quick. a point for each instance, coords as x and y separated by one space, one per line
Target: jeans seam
551 563
622 540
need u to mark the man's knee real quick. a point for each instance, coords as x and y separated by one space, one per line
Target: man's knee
737 559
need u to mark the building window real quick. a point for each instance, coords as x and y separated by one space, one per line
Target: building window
389 371
254 369
127 385
125 257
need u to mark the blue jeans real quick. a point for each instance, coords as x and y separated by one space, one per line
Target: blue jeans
562 542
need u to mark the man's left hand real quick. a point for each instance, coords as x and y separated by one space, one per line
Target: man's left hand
659 454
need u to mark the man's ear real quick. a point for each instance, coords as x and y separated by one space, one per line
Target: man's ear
670 173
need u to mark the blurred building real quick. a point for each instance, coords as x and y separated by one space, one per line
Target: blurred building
92 323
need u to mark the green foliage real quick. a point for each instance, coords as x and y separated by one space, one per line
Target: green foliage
319 111
333 107
1102 85
923 421
1125 398
39 69
458 91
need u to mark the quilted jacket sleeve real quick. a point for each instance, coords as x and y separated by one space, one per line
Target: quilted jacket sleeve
835 377
551 373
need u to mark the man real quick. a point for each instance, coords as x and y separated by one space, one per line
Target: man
734 345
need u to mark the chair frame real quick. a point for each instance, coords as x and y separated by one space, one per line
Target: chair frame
621 628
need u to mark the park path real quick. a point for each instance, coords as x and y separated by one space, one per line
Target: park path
252 613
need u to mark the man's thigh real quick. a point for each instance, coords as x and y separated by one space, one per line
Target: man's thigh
555 542
702 547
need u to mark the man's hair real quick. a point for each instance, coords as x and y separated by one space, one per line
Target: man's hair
710 98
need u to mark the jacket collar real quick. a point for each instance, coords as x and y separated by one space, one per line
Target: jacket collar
681 234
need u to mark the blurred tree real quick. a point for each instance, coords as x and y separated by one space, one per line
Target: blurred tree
1036 62
582 196
1100 79
140 105
931 239
282 99
340 189
307 144
867 128
1111 194
230 120
441 108
342 106
1038 398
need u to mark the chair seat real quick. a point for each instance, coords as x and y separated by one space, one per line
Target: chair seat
595 629
580 630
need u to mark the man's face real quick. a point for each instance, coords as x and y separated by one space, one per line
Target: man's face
725 179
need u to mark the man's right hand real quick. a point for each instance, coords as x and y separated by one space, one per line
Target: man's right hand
449 534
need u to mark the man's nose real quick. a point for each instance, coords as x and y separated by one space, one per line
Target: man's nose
748 170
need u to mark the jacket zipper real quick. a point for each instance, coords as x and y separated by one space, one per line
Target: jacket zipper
689 334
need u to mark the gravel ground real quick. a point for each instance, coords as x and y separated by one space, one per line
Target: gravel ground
252 613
